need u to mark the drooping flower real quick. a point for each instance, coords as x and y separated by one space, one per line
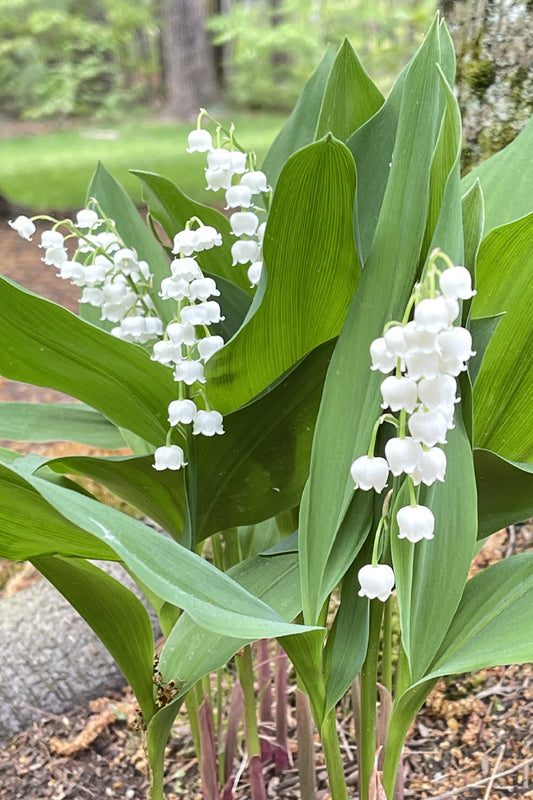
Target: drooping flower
456 283
23 226
238 196
169 457
382 358
256 181
431 467
244 222
52 239
243 251
185 242
86 218
199 141
370 472
254 272
183 411
399 393
376 580
428 427
189 372
209 345
415 523
402 454
432 315
208 423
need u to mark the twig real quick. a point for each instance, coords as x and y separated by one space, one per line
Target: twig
456 792
494 772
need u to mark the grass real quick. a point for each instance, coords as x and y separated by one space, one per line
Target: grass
52 170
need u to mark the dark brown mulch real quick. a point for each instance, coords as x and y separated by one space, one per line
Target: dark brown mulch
473 739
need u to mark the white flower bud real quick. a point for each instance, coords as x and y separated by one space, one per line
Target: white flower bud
382 359
456 282
199 141
256 181
415 523
370 473
376 580
254 272
169 457
208 423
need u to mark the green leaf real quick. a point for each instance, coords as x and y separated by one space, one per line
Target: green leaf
300 128
503 391
311 265
172 209
493 622
118 206
174 573
117 617
47 345
350 97
158 495
505 491
473 220
506 179
436 568
30 527
351 391
68 422
482 330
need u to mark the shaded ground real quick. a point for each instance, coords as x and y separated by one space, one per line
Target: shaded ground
473 739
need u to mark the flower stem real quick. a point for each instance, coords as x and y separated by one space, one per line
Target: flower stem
332 754
368 701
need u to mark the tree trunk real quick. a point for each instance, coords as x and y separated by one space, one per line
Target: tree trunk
494 44
188 58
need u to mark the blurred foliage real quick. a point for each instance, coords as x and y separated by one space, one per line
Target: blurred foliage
281 42
68 57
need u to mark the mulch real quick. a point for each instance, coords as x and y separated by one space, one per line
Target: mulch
473 739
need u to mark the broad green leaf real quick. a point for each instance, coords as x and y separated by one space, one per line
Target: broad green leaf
505 492
174 573
191 652
300 128
351 391
493 622
117 617
429 596
30 527
47 422
505 179
116 204
503 391
350 97
473 221
172 209
158 495
46 345
311 265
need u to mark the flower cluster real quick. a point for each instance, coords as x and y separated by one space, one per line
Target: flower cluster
227 161
425 355
187 343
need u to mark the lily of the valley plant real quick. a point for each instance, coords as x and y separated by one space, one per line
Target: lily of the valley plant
330 385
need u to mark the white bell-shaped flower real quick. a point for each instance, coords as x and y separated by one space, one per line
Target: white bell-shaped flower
402 454
199 141
23 226
395 340
175 289
376 580
72 271
428 427
422 365
93 274
447 410
244 222
415 523
52 239
370 472
382 358
169 457
181 411
209 345
185 242
201 314
238 196
217 179
455 343
254 272
166 352
456 282
208 423
189 372
432 315
437 391
86 218
153 327
256 181
237 162
219 159
453 309
243 251
207 237
399 393
431 467
202 288
180 333
126 261
418 339
55 256
95 297
186 268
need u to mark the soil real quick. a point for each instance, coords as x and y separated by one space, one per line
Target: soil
473 739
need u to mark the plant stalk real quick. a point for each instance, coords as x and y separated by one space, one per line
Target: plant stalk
332 753
368 701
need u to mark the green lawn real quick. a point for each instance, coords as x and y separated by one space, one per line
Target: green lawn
53 170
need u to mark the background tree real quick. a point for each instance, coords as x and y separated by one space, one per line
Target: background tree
494 44
188 57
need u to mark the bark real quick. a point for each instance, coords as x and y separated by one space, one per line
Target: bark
494 45
188 58
51 659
